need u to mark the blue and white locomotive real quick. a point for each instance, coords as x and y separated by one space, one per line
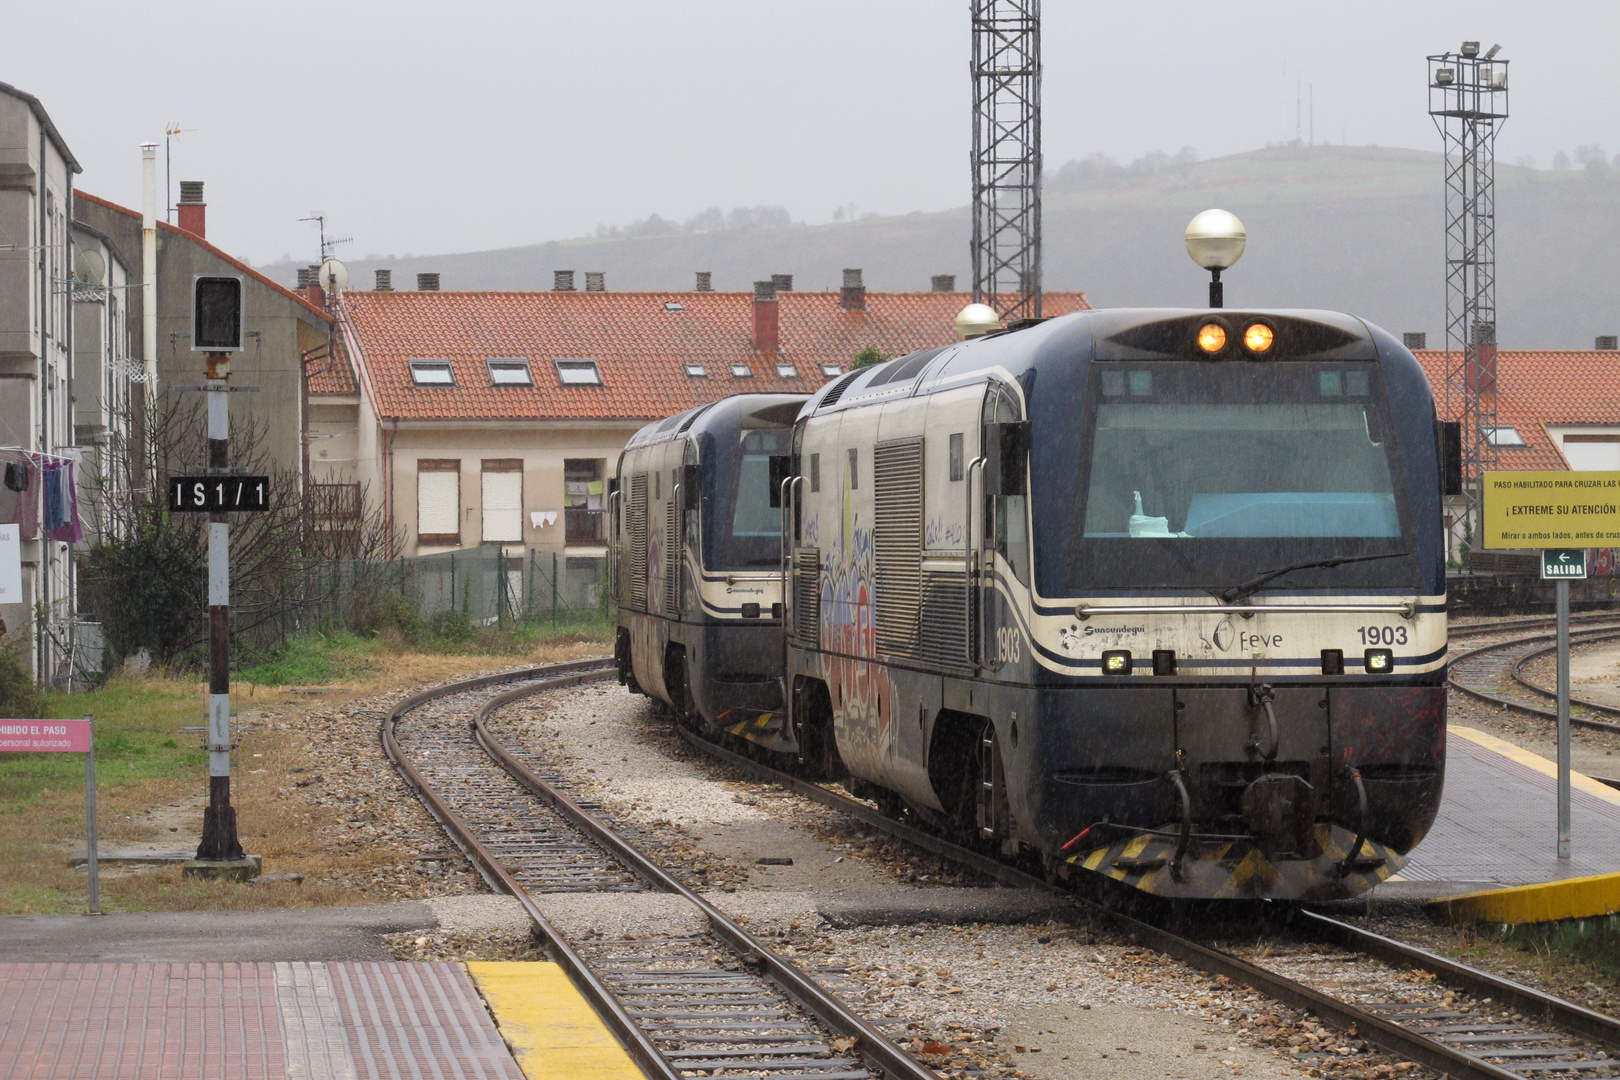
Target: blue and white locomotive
697 550
1154 593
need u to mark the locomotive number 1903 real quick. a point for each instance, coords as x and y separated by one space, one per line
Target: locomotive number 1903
1382 635
1009 644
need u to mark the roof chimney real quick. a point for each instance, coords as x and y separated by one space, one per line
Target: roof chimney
193 211
596 281
562 281
705 281
309 283
1606 343
1415 339
943 283
853 297
1482 376
385 281
782 282
766 334
427 282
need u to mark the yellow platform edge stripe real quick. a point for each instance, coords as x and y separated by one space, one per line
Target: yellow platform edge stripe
1577 781
1571 898
552 1030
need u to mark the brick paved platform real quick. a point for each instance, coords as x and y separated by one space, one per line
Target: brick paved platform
1498 823
267 1021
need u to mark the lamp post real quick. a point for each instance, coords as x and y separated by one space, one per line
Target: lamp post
1215 240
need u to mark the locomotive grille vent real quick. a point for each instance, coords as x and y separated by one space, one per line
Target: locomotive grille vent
943 631
838 389
807 597
672 559
897 543
638 541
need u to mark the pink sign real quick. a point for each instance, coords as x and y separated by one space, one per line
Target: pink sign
45 736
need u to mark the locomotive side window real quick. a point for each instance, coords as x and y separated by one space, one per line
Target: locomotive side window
854 468
815 472
956 456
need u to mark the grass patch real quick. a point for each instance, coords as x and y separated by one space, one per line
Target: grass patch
311 658
1594 941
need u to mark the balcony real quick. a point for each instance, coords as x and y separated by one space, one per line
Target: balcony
583 526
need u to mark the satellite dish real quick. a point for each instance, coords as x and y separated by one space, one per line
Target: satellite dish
333 276
88 266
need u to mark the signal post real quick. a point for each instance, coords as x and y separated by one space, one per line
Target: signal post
216 331
1563 514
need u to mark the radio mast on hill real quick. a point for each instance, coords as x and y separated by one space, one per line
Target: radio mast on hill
1007 156
1468 99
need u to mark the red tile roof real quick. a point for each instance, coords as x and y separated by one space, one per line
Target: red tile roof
330 372
164 226
1540 387
640 348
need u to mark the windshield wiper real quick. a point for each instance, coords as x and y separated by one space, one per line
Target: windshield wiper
1254 584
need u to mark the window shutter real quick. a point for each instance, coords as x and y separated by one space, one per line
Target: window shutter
438 506
503 507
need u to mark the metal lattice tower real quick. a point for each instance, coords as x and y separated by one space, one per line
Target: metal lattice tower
1007 156
1468 101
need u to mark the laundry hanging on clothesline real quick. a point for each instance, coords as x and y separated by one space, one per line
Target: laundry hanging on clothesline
44 483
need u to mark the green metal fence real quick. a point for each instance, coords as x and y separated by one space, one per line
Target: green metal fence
481 585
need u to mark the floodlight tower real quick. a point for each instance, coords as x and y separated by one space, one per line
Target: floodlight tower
1007 156
1468 99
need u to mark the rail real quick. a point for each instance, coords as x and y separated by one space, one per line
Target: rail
1368 1025
880 1052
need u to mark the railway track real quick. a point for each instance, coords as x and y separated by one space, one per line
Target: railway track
724 1004
1494 673
1488 1027
719 1003
1527 622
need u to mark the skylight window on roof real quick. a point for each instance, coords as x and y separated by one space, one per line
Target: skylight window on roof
696 371
787 371
1503 435
509 372
741 371
432 373
674 305
579 373
831 370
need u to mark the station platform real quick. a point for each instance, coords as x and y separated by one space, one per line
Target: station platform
1498 823
311 1020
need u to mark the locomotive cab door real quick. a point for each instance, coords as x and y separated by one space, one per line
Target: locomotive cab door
1002 549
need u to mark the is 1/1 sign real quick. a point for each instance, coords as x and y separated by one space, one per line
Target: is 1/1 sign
218 494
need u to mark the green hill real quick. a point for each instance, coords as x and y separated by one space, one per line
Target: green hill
1355 228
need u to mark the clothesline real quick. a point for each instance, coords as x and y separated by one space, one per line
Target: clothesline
37 457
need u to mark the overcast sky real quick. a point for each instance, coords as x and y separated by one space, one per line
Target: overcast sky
431 127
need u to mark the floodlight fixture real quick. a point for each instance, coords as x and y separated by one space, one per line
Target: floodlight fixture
1215 240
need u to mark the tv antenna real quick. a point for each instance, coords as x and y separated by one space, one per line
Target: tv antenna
327 243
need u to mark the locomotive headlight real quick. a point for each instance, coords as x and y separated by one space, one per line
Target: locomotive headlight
1379 661
1212 337
1258 338
1116 662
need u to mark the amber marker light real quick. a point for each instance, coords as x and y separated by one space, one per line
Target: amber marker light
1212 337
1258 337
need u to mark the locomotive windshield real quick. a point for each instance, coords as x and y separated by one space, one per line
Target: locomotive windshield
1204 474
754 538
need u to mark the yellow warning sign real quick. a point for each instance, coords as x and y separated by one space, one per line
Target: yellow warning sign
1552 509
